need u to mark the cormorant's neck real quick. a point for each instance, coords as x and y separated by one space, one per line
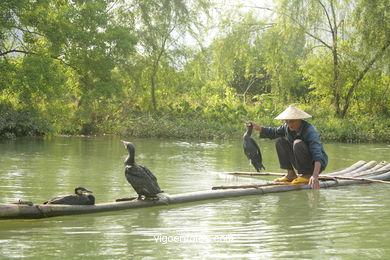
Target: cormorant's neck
130 159
249 131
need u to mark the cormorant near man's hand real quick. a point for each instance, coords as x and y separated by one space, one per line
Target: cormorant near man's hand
81 196
141 178
252 150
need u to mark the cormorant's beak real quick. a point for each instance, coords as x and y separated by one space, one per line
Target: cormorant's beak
124 143
89 191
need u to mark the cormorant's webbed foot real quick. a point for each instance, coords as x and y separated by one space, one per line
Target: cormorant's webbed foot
22 202
126 199
152 198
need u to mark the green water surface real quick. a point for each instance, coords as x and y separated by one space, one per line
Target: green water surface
350 222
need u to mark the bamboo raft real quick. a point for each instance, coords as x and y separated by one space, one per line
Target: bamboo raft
358 173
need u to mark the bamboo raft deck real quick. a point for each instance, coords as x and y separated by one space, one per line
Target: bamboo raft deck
358 173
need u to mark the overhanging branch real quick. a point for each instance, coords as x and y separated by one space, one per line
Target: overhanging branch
15 51
362 74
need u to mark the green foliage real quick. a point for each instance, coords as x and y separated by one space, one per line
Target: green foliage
59 57
353 43
226 122
123 67
353 130
15 123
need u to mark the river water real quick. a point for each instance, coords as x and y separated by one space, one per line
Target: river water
349 222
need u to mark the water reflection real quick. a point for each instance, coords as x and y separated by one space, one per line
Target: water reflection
331 223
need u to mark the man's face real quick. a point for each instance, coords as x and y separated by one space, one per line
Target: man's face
294 125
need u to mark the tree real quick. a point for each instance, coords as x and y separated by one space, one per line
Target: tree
161 27
284 49
346 29
239 57
78 38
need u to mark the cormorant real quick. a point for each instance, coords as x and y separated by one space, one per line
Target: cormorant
81 196
141 178
252 150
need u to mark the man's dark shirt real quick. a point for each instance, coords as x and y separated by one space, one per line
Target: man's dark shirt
307 133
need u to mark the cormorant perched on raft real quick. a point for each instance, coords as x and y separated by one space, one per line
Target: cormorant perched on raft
81 196
141 178
252 150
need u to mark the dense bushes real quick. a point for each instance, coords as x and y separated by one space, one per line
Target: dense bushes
352 130
218 122
229 124
15 123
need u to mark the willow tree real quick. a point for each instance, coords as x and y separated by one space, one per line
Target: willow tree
284 48
238 56
340 33
161 27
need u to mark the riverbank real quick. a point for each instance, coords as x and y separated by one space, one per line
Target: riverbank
216 124
351 130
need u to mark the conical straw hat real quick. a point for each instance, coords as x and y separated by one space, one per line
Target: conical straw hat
291 113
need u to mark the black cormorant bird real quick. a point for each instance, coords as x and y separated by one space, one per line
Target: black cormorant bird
141 178
252 150
81 196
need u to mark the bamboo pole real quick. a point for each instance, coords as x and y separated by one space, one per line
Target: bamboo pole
10 211
247 186
320 176
367 167
373 173
324 177
353 167
334 178
255 173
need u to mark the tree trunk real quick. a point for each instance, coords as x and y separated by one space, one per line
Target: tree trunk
153 80
361 76
155 69
336 65
153 88
335 85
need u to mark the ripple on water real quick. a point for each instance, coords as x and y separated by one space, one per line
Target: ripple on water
332 223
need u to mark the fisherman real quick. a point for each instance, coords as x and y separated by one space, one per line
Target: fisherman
298 147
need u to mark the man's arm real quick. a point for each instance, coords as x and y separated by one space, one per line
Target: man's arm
269 132
313 182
